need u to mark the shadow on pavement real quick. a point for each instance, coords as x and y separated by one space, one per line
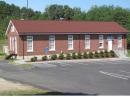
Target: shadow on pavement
61 93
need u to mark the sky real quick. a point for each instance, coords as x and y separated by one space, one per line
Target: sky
85 5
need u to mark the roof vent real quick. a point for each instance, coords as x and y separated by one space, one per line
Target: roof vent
22 19
61 19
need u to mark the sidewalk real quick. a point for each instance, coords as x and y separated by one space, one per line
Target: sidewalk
76 60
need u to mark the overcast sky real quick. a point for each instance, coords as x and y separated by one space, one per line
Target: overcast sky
83 4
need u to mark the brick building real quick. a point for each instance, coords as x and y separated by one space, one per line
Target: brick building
28 38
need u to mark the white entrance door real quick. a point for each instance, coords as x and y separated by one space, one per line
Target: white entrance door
109 43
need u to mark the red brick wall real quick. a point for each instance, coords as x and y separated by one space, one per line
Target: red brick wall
41 41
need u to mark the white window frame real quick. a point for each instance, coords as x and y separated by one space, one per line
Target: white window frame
30 38
87 41
12 29
119 41
51 42
70 42
101 41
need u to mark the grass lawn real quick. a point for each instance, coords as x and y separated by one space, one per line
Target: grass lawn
129 53
2 43
24 92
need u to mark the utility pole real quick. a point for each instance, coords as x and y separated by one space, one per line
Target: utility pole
27 4
27 9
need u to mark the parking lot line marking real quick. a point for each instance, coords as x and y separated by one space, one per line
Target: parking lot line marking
111 62
115 75
96 62
124 71
63 63
80 63
121 61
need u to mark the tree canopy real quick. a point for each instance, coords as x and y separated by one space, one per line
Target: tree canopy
56 12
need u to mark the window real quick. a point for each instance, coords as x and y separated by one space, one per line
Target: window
52 43
101 41
120 41
29 43
70 42
10 43
12 28
87 41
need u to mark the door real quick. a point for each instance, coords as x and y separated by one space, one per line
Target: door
14 45
110 43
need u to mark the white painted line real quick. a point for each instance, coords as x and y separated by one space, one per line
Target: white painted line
124 71
64 63
115 75
80 63
111 62
122 61
96 62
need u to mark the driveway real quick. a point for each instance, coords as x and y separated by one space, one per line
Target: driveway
97 77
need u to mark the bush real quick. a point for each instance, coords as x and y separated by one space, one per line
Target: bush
102 54
44 58
68 56
85 55
32 59
106 53
35 58
61 56
90 55
74 55
79 55
53 57
96 55
112 53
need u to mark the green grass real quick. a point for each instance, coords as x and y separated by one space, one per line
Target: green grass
2 55
129 53
2 43
24 92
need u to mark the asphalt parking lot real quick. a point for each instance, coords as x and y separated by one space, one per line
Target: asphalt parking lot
98 77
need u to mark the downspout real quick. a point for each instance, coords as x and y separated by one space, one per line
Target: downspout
79 43
23 46
125 44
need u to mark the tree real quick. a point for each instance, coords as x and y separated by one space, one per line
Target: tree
54 11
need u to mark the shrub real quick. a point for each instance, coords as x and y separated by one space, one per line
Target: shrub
32 59
35 58
112 53
85 55
74 55
68 56
61 56
102 54
90 55
96 55
44 58
106 53
53 57
79 55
